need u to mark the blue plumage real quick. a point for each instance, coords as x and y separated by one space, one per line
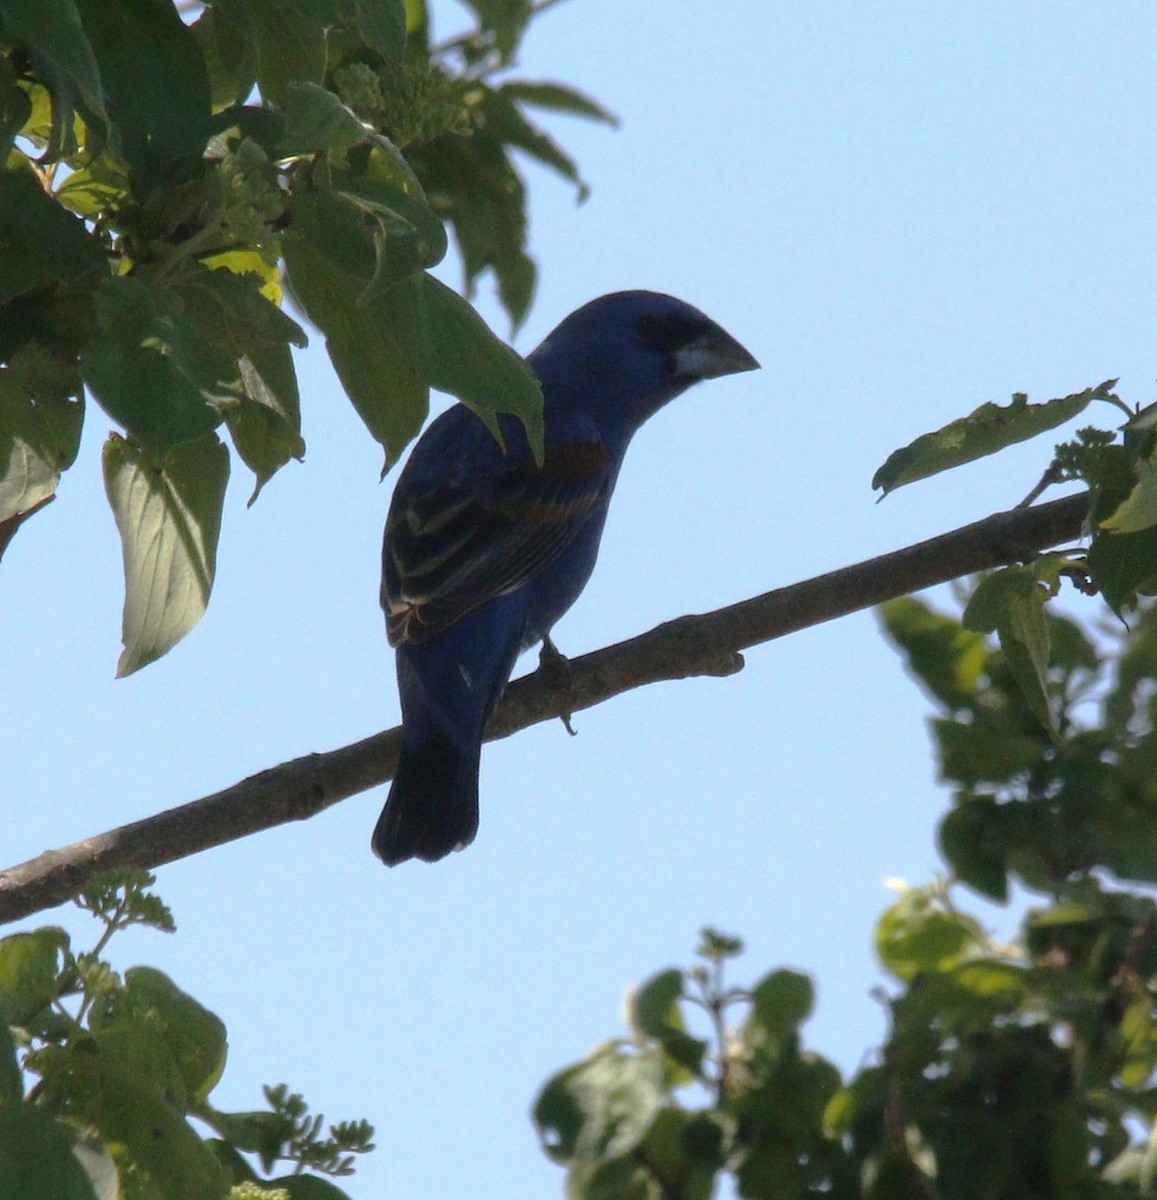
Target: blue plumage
484 550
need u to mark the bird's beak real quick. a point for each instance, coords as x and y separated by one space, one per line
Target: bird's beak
712 353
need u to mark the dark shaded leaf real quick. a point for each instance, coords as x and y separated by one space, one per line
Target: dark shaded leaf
1123 564
781 1002
41 243
290 46
971 841
36 1158
157 102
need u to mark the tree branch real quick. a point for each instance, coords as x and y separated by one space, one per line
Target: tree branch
707 644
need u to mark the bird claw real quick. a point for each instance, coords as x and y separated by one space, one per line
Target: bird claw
554 666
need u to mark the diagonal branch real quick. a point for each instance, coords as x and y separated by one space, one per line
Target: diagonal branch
707 644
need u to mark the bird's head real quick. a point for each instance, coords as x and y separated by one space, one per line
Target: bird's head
629 353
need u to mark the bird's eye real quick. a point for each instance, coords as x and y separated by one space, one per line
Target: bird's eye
667 333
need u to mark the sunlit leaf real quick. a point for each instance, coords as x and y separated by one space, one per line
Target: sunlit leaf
169 521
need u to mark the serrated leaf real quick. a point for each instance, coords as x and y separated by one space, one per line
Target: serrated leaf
36 1157
169 520
984 431
559 98
30 966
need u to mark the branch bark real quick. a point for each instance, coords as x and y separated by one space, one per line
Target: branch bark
707 644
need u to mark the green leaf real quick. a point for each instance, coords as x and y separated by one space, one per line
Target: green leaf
505 19
30 966
36 1157
290 47
1011 601
38 438
307 1187
915 936
169 521
53 28
381 23
984 752
470 362
1139 511
316 120
984 431
157 102
231 309
559 98
11 1084
654 1011
508 125
40 242
971 840
328 262
946 658
654 1007
264 427
229 54
601 1107
193 1036
133 1106
153 371
781 1002
1123 564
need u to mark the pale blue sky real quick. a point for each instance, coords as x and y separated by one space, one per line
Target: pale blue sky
904 211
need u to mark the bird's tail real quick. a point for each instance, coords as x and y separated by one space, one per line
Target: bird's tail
432 808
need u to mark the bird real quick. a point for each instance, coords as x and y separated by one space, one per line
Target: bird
485 548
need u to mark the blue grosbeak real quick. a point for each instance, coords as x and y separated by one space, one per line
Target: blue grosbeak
484 549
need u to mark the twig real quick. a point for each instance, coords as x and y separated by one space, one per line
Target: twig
708 644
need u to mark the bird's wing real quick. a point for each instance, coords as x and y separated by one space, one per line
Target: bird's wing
458 545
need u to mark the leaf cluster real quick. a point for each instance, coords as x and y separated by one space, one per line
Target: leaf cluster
119 1064
162 178
1008 1071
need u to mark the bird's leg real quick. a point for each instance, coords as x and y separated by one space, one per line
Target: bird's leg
554 666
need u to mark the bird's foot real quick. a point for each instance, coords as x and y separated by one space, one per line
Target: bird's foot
554 667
